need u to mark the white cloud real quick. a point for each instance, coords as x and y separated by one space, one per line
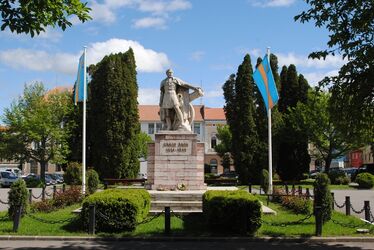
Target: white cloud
150 22
271 3
147 96
147 60
197 55
304 61
159 10
314 77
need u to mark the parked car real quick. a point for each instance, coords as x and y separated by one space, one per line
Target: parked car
49 180
142 176
230 175
7 178
58 178
16 171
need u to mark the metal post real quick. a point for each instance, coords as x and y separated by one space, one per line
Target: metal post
300 191
63 188
105 185
318 215
347 205
43 193
267 200
287 189
367 210
167 220
333 199
54 191
307 193
17 218
30 195
249 187
293 189
92 219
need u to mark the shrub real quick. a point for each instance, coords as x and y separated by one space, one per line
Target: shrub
365 180
342 180
298 204
336 176
73 174
17 196
232 211
322 196
34 183
265 180
43 206
92 181
122 209
67 198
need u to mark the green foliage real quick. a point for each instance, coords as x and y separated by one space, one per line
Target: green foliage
73 174
292 142
365 180
71 196
143 140
337 177
92 181
45 206
34 183
113 102
223 149
265 180
34 16
124 209
322 196
17 196
35 119
232 211
350 26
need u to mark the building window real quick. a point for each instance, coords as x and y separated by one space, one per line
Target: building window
213 166
151 128
33 167
158 127
213 141
196 128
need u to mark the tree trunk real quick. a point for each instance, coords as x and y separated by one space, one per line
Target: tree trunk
42 171
327 164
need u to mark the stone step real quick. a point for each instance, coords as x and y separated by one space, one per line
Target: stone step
179 211
175 205
176 196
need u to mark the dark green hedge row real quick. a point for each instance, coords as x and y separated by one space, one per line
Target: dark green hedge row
232 211
123 209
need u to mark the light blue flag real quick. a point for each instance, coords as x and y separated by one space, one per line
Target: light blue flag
264 80
78 86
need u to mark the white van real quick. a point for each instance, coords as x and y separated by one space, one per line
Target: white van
14 170
7 178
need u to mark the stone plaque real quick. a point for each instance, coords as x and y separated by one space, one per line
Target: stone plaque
175 147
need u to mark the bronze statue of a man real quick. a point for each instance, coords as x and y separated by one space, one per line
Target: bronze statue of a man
176 111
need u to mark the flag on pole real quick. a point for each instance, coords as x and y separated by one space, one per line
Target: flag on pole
264 80
78 86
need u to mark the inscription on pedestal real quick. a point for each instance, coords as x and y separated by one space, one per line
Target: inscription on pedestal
175 147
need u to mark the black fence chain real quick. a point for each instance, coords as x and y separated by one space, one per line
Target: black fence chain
37 197
284 224
50 221
339 206
4 202
149 219
356 211
179 216
351 225
47 194
371 217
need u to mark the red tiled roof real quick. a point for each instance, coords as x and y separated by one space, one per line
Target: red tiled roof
214 114
150 113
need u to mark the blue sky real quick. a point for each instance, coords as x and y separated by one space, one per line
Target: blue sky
204 41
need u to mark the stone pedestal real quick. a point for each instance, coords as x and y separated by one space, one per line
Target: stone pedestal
176 161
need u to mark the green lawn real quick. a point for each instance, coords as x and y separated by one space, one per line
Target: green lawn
190 225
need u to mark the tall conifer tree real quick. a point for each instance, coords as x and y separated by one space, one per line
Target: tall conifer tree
114 118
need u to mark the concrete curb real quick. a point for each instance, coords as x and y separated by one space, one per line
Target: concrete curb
200 239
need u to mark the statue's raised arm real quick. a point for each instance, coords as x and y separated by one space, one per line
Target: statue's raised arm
176 110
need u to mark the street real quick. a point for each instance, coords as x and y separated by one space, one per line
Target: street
182 245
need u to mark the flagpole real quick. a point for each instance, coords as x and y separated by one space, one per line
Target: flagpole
84 123
269 138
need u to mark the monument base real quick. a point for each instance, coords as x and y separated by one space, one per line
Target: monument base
176 162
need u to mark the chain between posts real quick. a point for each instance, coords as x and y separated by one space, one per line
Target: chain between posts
48 195
284 224
107 218
49 221
4 202
37 197
339 206
356 211
350 225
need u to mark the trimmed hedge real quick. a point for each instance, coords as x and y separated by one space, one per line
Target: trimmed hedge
232 211
124 209
365 180
322 196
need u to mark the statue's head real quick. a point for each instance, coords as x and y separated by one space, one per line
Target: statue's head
169 72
